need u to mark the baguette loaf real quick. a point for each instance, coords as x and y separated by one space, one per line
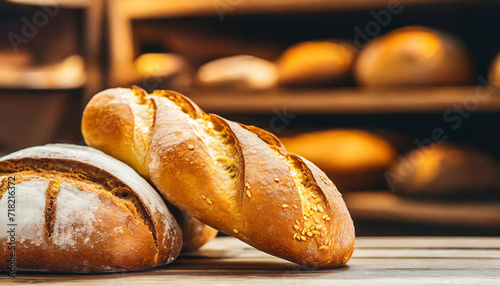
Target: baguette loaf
236 178
76 209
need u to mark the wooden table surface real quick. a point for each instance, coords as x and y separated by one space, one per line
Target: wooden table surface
376 261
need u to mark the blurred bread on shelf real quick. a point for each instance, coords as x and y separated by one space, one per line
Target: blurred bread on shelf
199 44
444 169
161 70
66 74
353 159
316 63
243 71
494 76
413 56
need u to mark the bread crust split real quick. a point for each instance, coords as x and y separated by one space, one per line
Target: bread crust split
80 210
238 179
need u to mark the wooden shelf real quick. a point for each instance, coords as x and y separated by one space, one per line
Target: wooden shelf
173 8
347 100
384 206
73 4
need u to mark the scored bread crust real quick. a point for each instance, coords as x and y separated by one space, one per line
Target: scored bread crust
236 178
131 227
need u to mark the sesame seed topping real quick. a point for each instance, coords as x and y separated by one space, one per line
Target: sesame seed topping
204 197
315 208
276 179
315 232
297 222
327 241
303 238
320 209
295 206
247 185
316 220
249 194
190 147
303 231
312 227
310 234
321 247
235 230
298 237
319 227
295 235
284 206
296 227
327 218
209 201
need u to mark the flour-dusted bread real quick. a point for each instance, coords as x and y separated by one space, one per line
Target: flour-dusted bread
76 209
413 56
238 179
243 71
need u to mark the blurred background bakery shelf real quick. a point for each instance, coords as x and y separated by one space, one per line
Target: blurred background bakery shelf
300 70
348 100
391 214
49 63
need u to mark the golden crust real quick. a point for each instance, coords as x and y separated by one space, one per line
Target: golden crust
240 180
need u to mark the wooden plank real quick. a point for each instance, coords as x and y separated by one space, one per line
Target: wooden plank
227 261
390 207
429 242
348 100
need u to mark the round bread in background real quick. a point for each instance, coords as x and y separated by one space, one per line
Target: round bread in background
316 63
163 69
494 76
413 56
77 209
195 234
243 71
353 159
444 169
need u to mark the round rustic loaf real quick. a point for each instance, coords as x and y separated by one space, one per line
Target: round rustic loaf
354 159
316 63
413 56
444 169
76 209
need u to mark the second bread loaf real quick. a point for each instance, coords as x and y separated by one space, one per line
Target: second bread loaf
236 178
